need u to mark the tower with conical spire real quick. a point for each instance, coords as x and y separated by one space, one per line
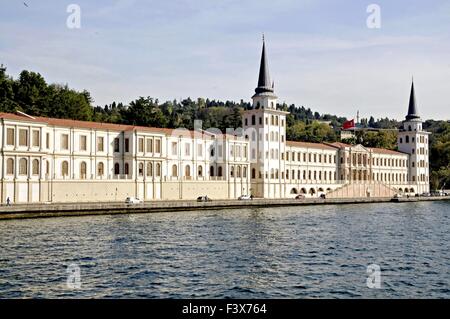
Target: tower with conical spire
265 126
413 140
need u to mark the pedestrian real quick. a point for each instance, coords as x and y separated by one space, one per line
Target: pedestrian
8 201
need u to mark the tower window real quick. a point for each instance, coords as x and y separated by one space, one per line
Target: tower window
253 120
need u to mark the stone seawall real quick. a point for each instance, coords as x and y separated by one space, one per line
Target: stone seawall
80 209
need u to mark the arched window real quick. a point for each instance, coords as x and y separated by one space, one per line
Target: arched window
253 120
238 171
23 166
174 171
219 171
141 169
253 173
10 166
127 169
200 171
117 169
64 168
100 169
158 169
211 171
212 152
232 171
149 169
47 167
187 171
35 167
83 170
244 174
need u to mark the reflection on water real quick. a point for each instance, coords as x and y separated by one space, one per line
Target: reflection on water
294 252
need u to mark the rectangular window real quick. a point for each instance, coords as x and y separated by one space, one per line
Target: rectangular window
174 148
187 149
158 146
36 138
100 145
47 140
10 136
83 143
64 141
117 145
141 145
149 145
23 137
127 145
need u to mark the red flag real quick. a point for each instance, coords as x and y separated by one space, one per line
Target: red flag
348 124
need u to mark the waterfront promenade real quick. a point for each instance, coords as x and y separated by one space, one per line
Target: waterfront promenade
21 211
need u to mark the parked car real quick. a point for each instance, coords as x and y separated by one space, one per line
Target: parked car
425 194
133 200
245 197
300 196
204 199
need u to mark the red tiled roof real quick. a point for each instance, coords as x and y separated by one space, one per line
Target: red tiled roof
309 145
339 144
385 151
105 126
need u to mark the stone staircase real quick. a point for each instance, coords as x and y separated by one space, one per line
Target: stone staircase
362 190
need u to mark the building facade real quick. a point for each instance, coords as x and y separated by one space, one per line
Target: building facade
55 160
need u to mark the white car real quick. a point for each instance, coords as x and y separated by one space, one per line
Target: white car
133 200
245 197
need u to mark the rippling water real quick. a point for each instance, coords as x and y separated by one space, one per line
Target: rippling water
293 252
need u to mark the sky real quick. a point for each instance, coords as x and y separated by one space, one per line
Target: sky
322 54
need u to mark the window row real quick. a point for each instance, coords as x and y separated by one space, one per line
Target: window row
310 157
23 166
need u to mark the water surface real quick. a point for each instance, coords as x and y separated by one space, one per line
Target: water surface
294 252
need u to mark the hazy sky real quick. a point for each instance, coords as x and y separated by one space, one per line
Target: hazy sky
321 53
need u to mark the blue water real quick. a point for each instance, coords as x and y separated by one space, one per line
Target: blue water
295 252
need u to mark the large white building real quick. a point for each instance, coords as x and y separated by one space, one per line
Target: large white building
57 160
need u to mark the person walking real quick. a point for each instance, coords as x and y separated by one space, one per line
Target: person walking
8 201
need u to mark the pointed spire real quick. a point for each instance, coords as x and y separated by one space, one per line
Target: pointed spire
264 83
412 109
